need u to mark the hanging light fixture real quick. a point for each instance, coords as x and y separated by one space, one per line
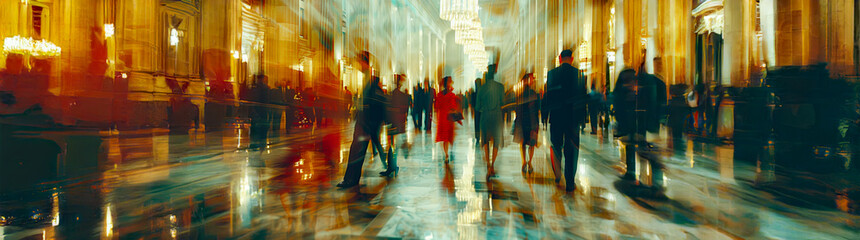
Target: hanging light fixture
463 15
453 10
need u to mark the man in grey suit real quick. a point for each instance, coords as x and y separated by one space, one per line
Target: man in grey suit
563 107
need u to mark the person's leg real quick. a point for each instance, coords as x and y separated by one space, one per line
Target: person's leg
571 161
486 148
377 146
593 119
391 153
495 151
531 156
557 141
445 149
417 117
477 126
523 154
428 118
405 147
357 152
392 156
630 156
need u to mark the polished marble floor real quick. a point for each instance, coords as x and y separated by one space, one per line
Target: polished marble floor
151 185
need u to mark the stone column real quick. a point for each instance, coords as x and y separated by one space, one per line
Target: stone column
739 17
599 40
672 40
633 25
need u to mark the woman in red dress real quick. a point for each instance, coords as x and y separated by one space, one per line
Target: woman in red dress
448 111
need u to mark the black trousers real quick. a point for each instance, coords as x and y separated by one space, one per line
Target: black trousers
477 126
428 117
417 117
357 152
565 142
592 117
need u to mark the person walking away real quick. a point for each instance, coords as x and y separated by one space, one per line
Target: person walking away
678 112
476 114
490 100
564 108
429 97
418 106
259 113
368 122
595 106
624 102
526 123
448 111
278 103
290 106
398 107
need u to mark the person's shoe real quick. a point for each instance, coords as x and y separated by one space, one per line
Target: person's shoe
344 185
628 177
593 133
531 169
390 173
570 188
525 169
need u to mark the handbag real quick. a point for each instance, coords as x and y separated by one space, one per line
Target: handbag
455 117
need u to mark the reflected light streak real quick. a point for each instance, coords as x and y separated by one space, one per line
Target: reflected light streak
55 209
108 221
465 191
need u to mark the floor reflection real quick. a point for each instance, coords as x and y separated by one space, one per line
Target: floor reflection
154 185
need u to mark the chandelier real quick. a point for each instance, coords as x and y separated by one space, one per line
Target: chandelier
463 10
463 15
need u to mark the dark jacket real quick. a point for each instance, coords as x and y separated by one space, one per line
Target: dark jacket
566 96
527 106
372 113
398 107
418 98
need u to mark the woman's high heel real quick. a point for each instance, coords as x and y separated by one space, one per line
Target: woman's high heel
390 172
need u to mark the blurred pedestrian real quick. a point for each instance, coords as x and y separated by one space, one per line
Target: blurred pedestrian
369 119
526 123
625 114
418 99
595 107
564 108
429 98
448 112
476 114
491 97
398 107
259 112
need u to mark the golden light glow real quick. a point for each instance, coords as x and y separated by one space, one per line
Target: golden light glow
109 30
174 37
25 46
712 23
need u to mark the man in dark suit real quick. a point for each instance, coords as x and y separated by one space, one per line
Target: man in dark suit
429 99
368 121
564 108
418 106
